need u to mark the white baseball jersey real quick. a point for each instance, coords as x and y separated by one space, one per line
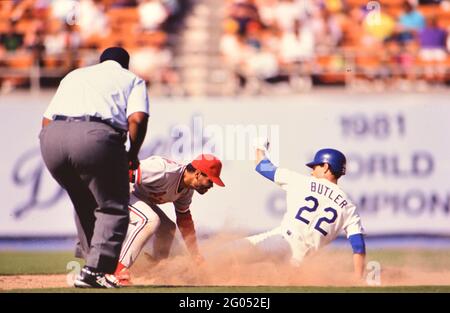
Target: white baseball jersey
317 210
157 182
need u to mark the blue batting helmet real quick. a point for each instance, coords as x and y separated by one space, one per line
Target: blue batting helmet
334 158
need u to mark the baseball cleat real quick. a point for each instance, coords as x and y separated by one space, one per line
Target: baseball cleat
90 279
123 277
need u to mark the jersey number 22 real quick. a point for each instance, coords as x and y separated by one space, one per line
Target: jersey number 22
321 220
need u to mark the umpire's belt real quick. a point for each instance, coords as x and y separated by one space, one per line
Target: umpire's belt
87 118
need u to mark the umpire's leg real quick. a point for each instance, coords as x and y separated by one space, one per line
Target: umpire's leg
54 148
96 153
105 171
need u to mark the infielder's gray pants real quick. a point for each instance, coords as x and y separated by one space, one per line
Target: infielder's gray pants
89 160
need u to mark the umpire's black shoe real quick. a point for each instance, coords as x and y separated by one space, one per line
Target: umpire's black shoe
91 279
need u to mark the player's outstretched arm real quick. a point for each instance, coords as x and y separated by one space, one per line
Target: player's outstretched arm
263 165
359 263
359 254
259 156
186 226
261 146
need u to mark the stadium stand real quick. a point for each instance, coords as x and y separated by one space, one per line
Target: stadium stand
383 44
213 47
42 40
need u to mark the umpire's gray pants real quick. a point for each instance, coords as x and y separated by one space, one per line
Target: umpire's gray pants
88 159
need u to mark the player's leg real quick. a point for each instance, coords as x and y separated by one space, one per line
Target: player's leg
164 236
144 222
270 245
299 250
266 246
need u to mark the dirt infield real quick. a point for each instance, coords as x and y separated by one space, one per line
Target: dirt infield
32 281
330 267
177 273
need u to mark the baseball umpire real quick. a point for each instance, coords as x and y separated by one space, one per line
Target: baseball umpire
83 136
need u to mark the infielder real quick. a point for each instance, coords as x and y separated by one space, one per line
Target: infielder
157 181
317 208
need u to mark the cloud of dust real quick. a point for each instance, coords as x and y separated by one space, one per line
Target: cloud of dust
231 265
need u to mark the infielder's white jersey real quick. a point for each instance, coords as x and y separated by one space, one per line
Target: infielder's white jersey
317 210
157 182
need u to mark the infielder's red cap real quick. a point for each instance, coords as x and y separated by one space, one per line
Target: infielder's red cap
210 166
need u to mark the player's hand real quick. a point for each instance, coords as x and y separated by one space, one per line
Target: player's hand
261 143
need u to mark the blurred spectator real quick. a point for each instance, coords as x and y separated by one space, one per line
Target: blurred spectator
92 21
154 63
379 25
253 38
13 54
432 41
354 28
297 45
21 8
406 65
288 12
55 40
233 50
425 2
231 45
61 43
326 28
152 14
333 6
64 9
262 64
11 40
172 6
267 9
123 3
244 12
410 22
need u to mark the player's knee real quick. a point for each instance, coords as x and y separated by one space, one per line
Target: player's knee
151 224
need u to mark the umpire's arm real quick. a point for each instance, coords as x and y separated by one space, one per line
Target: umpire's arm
137 129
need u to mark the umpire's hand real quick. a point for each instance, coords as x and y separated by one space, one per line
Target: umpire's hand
133 162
